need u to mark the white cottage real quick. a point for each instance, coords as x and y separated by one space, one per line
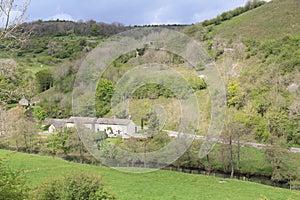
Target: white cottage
115 127
89 122
54 124
112 126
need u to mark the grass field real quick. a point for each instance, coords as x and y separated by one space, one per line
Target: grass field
270 21
155 185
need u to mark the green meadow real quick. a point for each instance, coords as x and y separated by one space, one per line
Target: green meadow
154 185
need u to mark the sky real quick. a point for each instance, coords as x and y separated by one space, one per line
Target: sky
131 12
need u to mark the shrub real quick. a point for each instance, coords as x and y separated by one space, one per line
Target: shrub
12 184
76 185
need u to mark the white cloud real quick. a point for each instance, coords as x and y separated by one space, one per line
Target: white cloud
206 14
160 16
62 16
157 15
132 12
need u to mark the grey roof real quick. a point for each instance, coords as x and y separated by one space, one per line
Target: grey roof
57 123
87 120
82 119
113 121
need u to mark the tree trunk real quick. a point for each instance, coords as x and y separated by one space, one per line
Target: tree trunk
208 164
26 142
238 156
17 144
231 157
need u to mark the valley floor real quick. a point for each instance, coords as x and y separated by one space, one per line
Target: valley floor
155 185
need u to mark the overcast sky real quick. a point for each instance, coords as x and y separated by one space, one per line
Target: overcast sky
131 12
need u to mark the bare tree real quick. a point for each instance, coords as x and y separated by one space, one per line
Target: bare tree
21 130
12 15
2 119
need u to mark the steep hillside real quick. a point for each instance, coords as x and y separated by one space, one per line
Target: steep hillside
270 21
258 55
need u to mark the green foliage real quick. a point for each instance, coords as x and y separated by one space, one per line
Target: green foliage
293 133
283 167
58 28
76 185
283 52
277 121
95 30
104 94
123 59
234 94
47 60
261 131
57 104
152 91
12 183
198 84
270 21
20 130
44 79
62 142
154 123
65 84
274 66
39 113
233 13
14 82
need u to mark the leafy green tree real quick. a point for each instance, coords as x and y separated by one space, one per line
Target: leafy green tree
153 122
284 168
57 143
104 94
74 144
235 94
76 185
66 142
12 183
95 30
277 121
44 79
295 183
39 113
261 131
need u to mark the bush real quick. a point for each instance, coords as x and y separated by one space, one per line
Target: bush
39 113
152 91
77 185
47 60
12 184
198 84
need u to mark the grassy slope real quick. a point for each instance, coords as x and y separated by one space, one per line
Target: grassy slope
269 21
156 185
